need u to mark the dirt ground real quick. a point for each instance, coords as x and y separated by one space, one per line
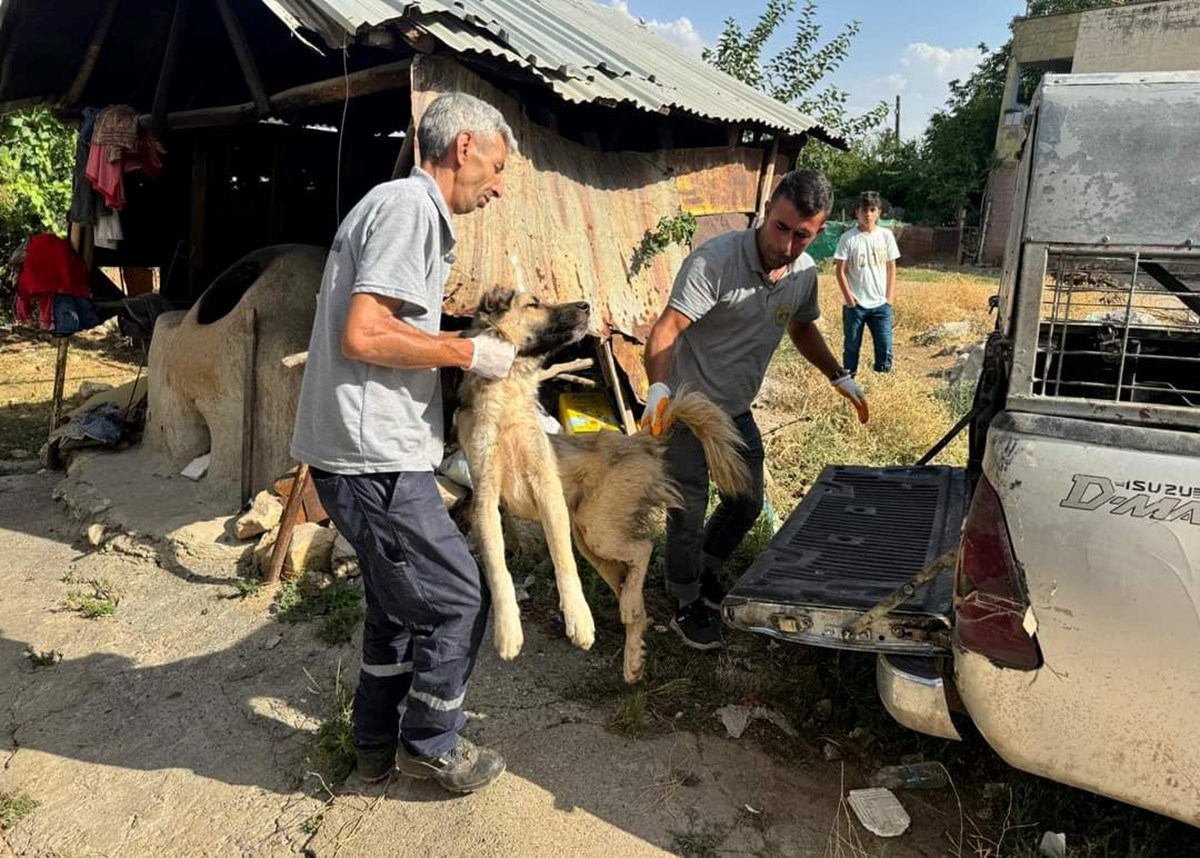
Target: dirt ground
181 725
188 721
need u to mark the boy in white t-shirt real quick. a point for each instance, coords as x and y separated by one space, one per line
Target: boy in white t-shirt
865 264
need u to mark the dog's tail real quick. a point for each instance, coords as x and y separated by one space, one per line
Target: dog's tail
722 443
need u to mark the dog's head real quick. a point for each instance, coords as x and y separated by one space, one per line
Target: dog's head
534 328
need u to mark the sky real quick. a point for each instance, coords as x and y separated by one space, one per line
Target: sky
912 49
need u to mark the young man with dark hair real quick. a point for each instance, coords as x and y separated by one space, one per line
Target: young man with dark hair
865 265
731 302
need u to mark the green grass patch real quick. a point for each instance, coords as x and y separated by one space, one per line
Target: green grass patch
336 609
15 806
331 749
100 601
41 659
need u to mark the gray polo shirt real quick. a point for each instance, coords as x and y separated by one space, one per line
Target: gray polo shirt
738 317
358 418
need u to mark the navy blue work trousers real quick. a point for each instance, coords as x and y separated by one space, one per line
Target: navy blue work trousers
427 606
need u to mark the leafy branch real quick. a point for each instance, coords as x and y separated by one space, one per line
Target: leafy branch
678 229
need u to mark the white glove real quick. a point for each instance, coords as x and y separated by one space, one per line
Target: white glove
492 357
657 400
846 386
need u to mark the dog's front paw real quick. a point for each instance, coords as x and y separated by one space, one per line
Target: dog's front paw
507 634
581 628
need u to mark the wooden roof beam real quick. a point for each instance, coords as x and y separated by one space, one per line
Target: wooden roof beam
90 56
241 47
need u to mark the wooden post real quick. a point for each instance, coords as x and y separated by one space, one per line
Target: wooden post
767 178
287 524
60 380
962 220
241 48
162 90
249 395
405 160
91 55
608 366
199 210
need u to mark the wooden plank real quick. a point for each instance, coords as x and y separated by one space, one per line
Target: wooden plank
609 367
717 180
241 48
249 403
287 524
90 56
162 90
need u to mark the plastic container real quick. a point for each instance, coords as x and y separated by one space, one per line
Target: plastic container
913 776
584 413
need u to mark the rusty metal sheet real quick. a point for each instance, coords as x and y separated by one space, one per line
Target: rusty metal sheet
710 226
718 180
569 222
630 354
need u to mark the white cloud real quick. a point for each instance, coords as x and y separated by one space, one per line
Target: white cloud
922 80
945 64
681 31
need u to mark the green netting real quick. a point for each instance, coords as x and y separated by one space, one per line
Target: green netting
826 243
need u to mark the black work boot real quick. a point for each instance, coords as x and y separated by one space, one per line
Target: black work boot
712 593
375 764
698 625
467 768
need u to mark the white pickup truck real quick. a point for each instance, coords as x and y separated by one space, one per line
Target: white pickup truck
1049 591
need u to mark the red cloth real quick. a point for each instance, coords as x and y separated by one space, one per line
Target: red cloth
51 268
106 176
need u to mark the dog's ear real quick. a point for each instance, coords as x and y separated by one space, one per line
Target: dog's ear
495 301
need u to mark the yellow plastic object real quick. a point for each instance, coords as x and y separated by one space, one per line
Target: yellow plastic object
584 413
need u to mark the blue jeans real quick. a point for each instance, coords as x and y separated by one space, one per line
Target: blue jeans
879 320
692 546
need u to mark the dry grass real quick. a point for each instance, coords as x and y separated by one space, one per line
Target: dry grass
909 411
27 359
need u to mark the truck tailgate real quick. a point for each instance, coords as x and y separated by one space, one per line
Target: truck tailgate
857 537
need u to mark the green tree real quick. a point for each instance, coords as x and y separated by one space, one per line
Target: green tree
37 154
794 75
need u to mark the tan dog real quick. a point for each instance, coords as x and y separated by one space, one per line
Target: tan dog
606 489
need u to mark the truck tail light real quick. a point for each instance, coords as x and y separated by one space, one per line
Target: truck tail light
991 602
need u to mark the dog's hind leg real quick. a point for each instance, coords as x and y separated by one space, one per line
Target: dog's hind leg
556 523
626 581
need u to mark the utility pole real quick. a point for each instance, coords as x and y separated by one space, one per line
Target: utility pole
897 120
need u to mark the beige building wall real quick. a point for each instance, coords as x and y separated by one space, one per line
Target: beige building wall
1161 36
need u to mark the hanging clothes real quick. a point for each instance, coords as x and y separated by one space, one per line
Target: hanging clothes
51 268
118 146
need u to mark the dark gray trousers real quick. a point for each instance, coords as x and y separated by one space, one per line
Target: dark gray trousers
693 546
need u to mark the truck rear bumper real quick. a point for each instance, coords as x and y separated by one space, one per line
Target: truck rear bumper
914 693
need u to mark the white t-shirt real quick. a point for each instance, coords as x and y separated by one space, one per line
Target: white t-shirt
866 255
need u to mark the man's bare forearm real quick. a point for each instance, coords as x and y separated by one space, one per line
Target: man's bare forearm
807 338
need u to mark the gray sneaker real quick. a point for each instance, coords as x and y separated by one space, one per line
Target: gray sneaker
467 768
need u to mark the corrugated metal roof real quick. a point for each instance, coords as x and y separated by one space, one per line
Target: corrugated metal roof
584 51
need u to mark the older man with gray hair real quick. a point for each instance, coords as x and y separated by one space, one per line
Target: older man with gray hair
369 424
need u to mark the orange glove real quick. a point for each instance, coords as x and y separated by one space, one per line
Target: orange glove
657 400
846 386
